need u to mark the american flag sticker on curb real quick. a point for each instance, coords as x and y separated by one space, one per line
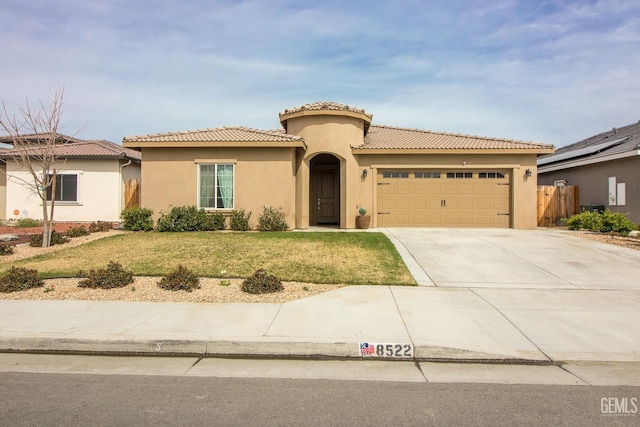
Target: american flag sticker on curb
386 350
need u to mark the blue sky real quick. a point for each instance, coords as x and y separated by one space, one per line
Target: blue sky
546 71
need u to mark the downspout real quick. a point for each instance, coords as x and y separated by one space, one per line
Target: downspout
122 166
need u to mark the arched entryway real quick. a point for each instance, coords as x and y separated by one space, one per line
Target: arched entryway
324 191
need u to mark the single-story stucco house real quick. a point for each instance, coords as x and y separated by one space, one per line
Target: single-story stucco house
328 160
605 167
90 182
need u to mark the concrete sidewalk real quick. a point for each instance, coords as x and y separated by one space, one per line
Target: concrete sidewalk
516 325
528 296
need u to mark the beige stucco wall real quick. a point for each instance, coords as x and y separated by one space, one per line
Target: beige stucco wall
335 135
99 192
523 189
263 177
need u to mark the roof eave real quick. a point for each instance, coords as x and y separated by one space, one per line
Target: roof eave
536 151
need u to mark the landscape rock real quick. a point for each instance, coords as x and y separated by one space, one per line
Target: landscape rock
8 237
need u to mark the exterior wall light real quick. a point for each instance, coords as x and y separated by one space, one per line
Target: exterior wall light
364 173
527 173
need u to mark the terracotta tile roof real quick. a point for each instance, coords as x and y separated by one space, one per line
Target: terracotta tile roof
317 106
223 134
395 138
60 138
86 149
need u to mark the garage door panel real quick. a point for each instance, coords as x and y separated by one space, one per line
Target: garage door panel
403 204
387 189
420 189
420 204
451 199
386 204
434 189
465 190
486 190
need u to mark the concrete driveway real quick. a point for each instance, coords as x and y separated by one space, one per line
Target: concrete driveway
567 297
540 259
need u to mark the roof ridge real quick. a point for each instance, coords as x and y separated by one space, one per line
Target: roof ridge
326 105
182 132
112 146
262 132
485 138
600 136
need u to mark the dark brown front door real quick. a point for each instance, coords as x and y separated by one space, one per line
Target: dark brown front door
326 201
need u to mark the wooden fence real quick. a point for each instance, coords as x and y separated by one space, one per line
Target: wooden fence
131 193
555 203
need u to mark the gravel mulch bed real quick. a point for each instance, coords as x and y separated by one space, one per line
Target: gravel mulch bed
627 242
146 289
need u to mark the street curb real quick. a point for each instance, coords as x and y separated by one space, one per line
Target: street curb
246 350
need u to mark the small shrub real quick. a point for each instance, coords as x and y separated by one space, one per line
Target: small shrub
587 220
96 227
35 240
601 222
114 276
20 279
225 283
261 283
28 223
5 249
190 218
215 222
78 231
181 279
616 223
137 219
272 219
240 220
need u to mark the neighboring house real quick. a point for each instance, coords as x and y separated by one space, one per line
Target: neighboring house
605 167
90 181
328 160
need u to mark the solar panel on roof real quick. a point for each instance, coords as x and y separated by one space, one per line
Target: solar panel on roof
586 151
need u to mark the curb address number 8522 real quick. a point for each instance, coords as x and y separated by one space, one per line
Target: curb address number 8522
386 350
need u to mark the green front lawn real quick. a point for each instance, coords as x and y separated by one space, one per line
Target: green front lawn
349 258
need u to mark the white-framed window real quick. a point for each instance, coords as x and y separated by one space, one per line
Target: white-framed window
67 188
216 185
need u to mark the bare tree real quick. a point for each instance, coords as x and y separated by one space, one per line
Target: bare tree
33 131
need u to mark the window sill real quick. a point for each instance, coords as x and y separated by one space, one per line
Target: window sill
65 204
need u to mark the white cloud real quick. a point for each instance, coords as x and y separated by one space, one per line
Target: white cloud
552 71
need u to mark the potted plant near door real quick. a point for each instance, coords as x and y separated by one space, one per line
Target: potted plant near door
363 220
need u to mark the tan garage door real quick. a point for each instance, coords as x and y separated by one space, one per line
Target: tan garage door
444 198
